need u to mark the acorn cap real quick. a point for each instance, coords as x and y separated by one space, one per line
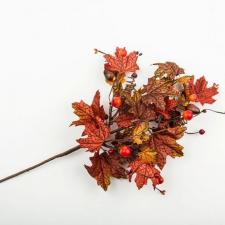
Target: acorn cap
193 108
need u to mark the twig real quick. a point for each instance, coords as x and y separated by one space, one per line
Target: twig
212 110
67 152
98 51
196 132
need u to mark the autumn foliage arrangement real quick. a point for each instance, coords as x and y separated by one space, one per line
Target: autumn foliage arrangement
140 129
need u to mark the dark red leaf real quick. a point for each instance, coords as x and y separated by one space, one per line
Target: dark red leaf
104 167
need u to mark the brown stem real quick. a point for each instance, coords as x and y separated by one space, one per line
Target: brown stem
67 152
196 132
163 192
98 51
116 130
205 110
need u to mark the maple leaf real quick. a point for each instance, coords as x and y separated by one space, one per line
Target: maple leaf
100 170
147 155
124 120
156 90
164 143
98 110
142 111
104 167
176 132
140 133
170 106
170 69
144 171
204 94
117 170
121 63
137 108
88 113
97 133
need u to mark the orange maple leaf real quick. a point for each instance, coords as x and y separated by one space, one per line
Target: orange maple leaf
87 113
96 133
145 171
204 94
121 62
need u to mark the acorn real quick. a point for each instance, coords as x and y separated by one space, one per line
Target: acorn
109 75
193 108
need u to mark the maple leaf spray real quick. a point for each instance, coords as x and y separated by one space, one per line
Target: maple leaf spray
142 126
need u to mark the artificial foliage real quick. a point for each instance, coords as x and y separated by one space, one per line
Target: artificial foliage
141 129
132 136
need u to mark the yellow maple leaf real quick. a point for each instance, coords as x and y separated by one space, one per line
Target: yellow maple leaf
147 155
140 133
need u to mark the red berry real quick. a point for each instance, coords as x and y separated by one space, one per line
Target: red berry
201 131
121 52
193 97
116 101
110 151
125 151
187 114
160 180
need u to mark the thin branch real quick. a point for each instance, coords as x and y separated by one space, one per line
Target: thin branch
67 152
212 110
196 132
98 51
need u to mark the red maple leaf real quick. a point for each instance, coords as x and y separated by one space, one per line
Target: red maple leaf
145 171
87 113
204 94
104 167
124 120
96 133
121 62
100 170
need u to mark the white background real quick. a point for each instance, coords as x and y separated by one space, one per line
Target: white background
47 62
